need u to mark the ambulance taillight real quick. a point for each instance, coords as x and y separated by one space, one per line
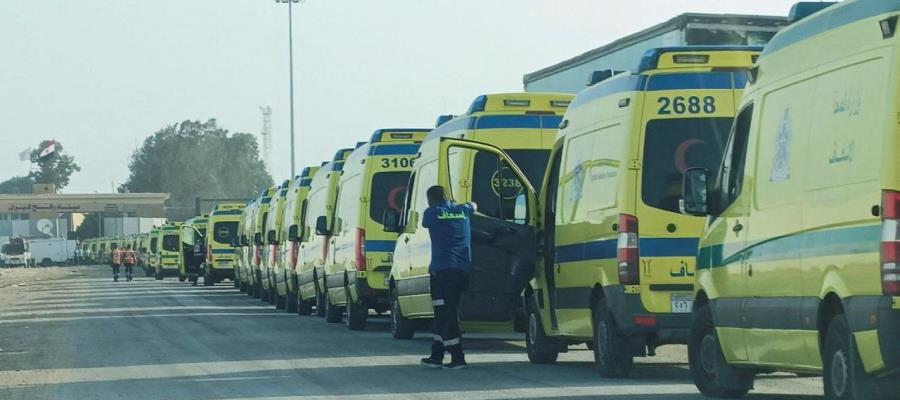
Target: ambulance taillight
628 250
360 249
890 242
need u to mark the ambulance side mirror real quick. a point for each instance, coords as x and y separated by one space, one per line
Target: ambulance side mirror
257 239
695 192
270 237
391 220
292 234
244 241
322 226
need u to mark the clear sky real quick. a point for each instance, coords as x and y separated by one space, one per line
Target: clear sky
101 75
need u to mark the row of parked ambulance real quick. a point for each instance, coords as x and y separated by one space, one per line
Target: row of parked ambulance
742 201
198 247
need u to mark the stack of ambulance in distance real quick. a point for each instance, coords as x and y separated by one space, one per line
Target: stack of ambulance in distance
743 201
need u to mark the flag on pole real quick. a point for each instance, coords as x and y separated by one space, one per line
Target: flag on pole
25 155
50 149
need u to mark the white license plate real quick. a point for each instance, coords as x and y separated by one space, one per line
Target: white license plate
224 264
682 303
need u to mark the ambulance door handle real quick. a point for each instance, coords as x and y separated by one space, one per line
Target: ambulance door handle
737 227
750 269
406 239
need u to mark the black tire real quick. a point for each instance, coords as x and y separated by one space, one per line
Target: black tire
159 276
292 304
273 295
401 327
303 307
712 374
280 301
237 285
208 280
608 345
242 286
194 280
333 313
148 272
263 294
540 348
182 278
320 303
843 373
356 313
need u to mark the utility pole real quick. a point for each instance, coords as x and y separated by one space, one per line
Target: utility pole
290 4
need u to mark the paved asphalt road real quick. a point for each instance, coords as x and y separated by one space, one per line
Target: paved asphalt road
84 337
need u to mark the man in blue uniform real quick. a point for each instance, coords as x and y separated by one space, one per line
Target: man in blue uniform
449 226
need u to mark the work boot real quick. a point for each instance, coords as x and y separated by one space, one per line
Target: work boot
129 277
457 358
116 278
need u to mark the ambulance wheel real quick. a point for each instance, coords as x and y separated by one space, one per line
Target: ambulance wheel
280 301
291 306
159 276
356 313
237 285
843 372
333 313
208 280
242 286
608 355
148 272
273 295
320 304
712 374
194 280
540 348
401 328
303 307
182 278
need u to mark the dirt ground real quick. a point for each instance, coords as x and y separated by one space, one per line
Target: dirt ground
18 277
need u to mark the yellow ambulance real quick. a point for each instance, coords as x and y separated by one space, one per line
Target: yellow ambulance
374 179
525 125
797 268
258 229
292 235
153 245
320 216
169 256
616 258
193 248
272 231
244 249
220 236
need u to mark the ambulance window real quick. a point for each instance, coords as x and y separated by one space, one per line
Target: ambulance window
407 203
170 243
671 146
225 231
733 165
302 224
388 192
428 177
495 187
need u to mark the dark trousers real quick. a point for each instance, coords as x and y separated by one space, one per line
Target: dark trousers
128 269
115 268
447 287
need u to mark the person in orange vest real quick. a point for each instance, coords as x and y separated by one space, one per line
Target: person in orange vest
116 262
128 258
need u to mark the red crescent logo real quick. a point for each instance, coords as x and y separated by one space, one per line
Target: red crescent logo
681 150
392 197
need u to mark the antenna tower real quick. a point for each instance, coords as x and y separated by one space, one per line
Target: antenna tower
266 134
